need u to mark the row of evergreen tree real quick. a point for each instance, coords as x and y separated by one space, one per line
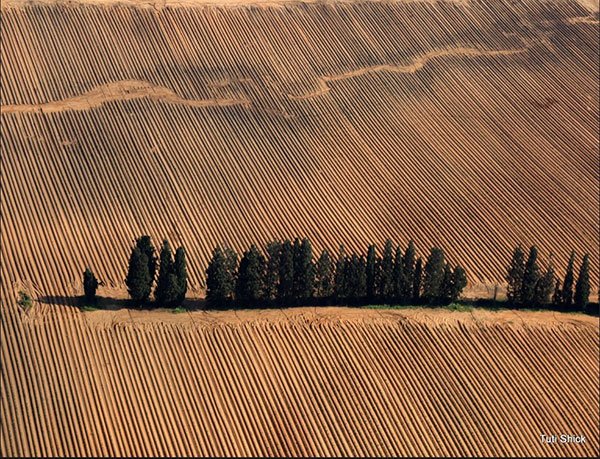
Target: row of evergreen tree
286 274
529 286
171 284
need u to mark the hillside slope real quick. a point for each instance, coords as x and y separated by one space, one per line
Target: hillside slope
470 126
300 382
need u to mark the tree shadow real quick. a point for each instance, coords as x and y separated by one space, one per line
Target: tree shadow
115 304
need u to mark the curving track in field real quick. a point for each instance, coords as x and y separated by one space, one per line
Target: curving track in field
340 382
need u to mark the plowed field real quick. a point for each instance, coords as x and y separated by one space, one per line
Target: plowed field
301 382
471 125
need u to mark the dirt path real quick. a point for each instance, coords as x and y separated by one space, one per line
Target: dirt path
413 67
119 91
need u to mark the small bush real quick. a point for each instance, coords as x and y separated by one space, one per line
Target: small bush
459 307
179 310
24 300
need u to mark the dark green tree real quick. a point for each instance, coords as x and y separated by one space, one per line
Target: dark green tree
397 275
446 288
543 289
417 281
304 270
386 284
356 278
272 270
251 272
90 285
164 289
514 276
531 276
220 280
408 272
433 276
286 272
324 275
567 289
340 283
371 273
459 282
138 280
144 243
180 271
557 295
582 287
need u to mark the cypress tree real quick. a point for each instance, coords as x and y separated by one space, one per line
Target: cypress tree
138 279
582 287
567 289
416 288
386 285
514 276
340 274
304 270
433 277
557 295
371 272
324 275
90 285
459 282
356 278
446 288
180 271
531 276
397 274
165 269
543 289
286 272
408 272
249 287
144 243
272 270
231 265
220 278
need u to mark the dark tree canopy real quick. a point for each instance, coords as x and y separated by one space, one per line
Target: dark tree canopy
567 289
286 272
433 276
543 289
220 279
165 293
180 271
417 281
271 284
582 288
90 285
249 287
408 272
324 275
516 270
340 283
304 270
397 275
144 243
371 274
531 276
138 281
386 284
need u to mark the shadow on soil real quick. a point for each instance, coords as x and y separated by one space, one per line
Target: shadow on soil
197 304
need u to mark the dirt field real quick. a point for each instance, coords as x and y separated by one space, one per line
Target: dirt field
472 126
303 382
